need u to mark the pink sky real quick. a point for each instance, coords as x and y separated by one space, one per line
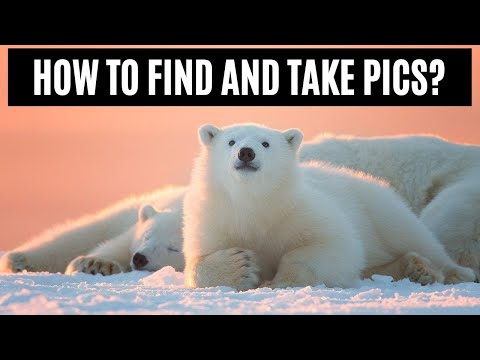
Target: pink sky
57 163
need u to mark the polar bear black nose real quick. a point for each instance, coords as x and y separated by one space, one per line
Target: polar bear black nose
139 260
246 154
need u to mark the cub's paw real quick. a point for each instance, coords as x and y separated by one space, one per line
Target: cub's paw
420 270
458 275
245 274
14 262
93 265
234 267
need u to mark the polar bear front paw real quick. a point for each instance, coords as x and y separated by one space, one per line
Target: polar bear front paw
235 267
93 265
459 275
419 270
245 274
14 262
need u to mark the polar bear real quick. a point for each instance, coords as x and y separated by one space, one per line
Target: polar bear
253 216
142 232
439 180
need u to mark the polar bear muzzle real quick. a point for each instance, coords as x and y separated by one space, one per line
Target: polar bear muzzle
246 154
139 261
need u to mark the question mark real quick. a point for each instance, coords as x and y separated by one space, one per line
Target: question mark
437 66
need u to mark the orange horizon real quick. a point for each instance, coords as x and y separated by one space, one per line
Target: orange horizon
58 163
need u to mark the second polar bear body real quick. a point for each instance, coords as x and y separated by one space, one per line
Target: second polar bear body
277 222
438 179
106 242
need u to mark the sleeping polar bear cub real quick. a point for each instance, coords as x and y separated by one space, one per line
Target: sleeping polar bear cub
253 216
142 233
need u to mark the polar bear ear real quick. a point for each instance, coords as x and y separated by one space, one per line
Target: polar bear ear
294 138
206 134
146 212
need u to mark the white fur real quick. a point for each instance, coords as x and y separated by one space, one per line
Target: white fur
439 180
290 225
105 242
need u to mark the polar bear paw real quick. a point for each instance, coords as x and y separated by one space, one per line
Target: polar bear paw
459 275
246 271
235 267
14 262
93 265
420 270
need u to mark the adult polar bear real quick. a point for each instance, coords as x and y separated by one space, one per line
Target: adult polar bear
130 234
440 181
254 216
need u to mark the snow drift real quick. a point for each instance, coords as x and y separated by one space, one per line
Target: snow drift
163 292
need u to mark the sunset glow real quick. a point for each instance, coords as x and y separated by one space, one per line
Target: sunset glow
58 163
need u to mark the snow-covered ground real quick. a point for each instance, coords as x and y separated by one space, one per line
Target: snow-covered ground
163 293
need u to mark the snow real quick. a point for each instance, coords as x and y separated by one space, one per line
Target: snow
163 292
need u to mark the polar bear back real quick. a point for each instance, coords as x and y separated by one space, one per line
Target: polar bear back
414 165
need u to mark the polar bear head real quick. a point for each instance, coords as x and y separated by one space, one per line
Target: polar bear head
157 240
250 156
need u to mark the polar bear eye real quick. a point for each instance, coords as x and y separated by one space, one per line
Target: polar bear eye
231 143
265 144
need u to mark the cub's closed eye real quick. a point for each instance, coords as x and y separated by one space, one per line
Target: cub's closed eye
265 144
231 143
172 249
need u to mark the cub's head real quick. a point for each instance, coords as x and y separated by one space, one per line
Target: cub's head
250 154
158 240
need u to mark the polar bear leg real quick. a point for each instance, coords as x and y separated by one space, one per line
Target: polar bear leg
454 218
109 258
234 267
412 266
54 249
314 265
402 232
